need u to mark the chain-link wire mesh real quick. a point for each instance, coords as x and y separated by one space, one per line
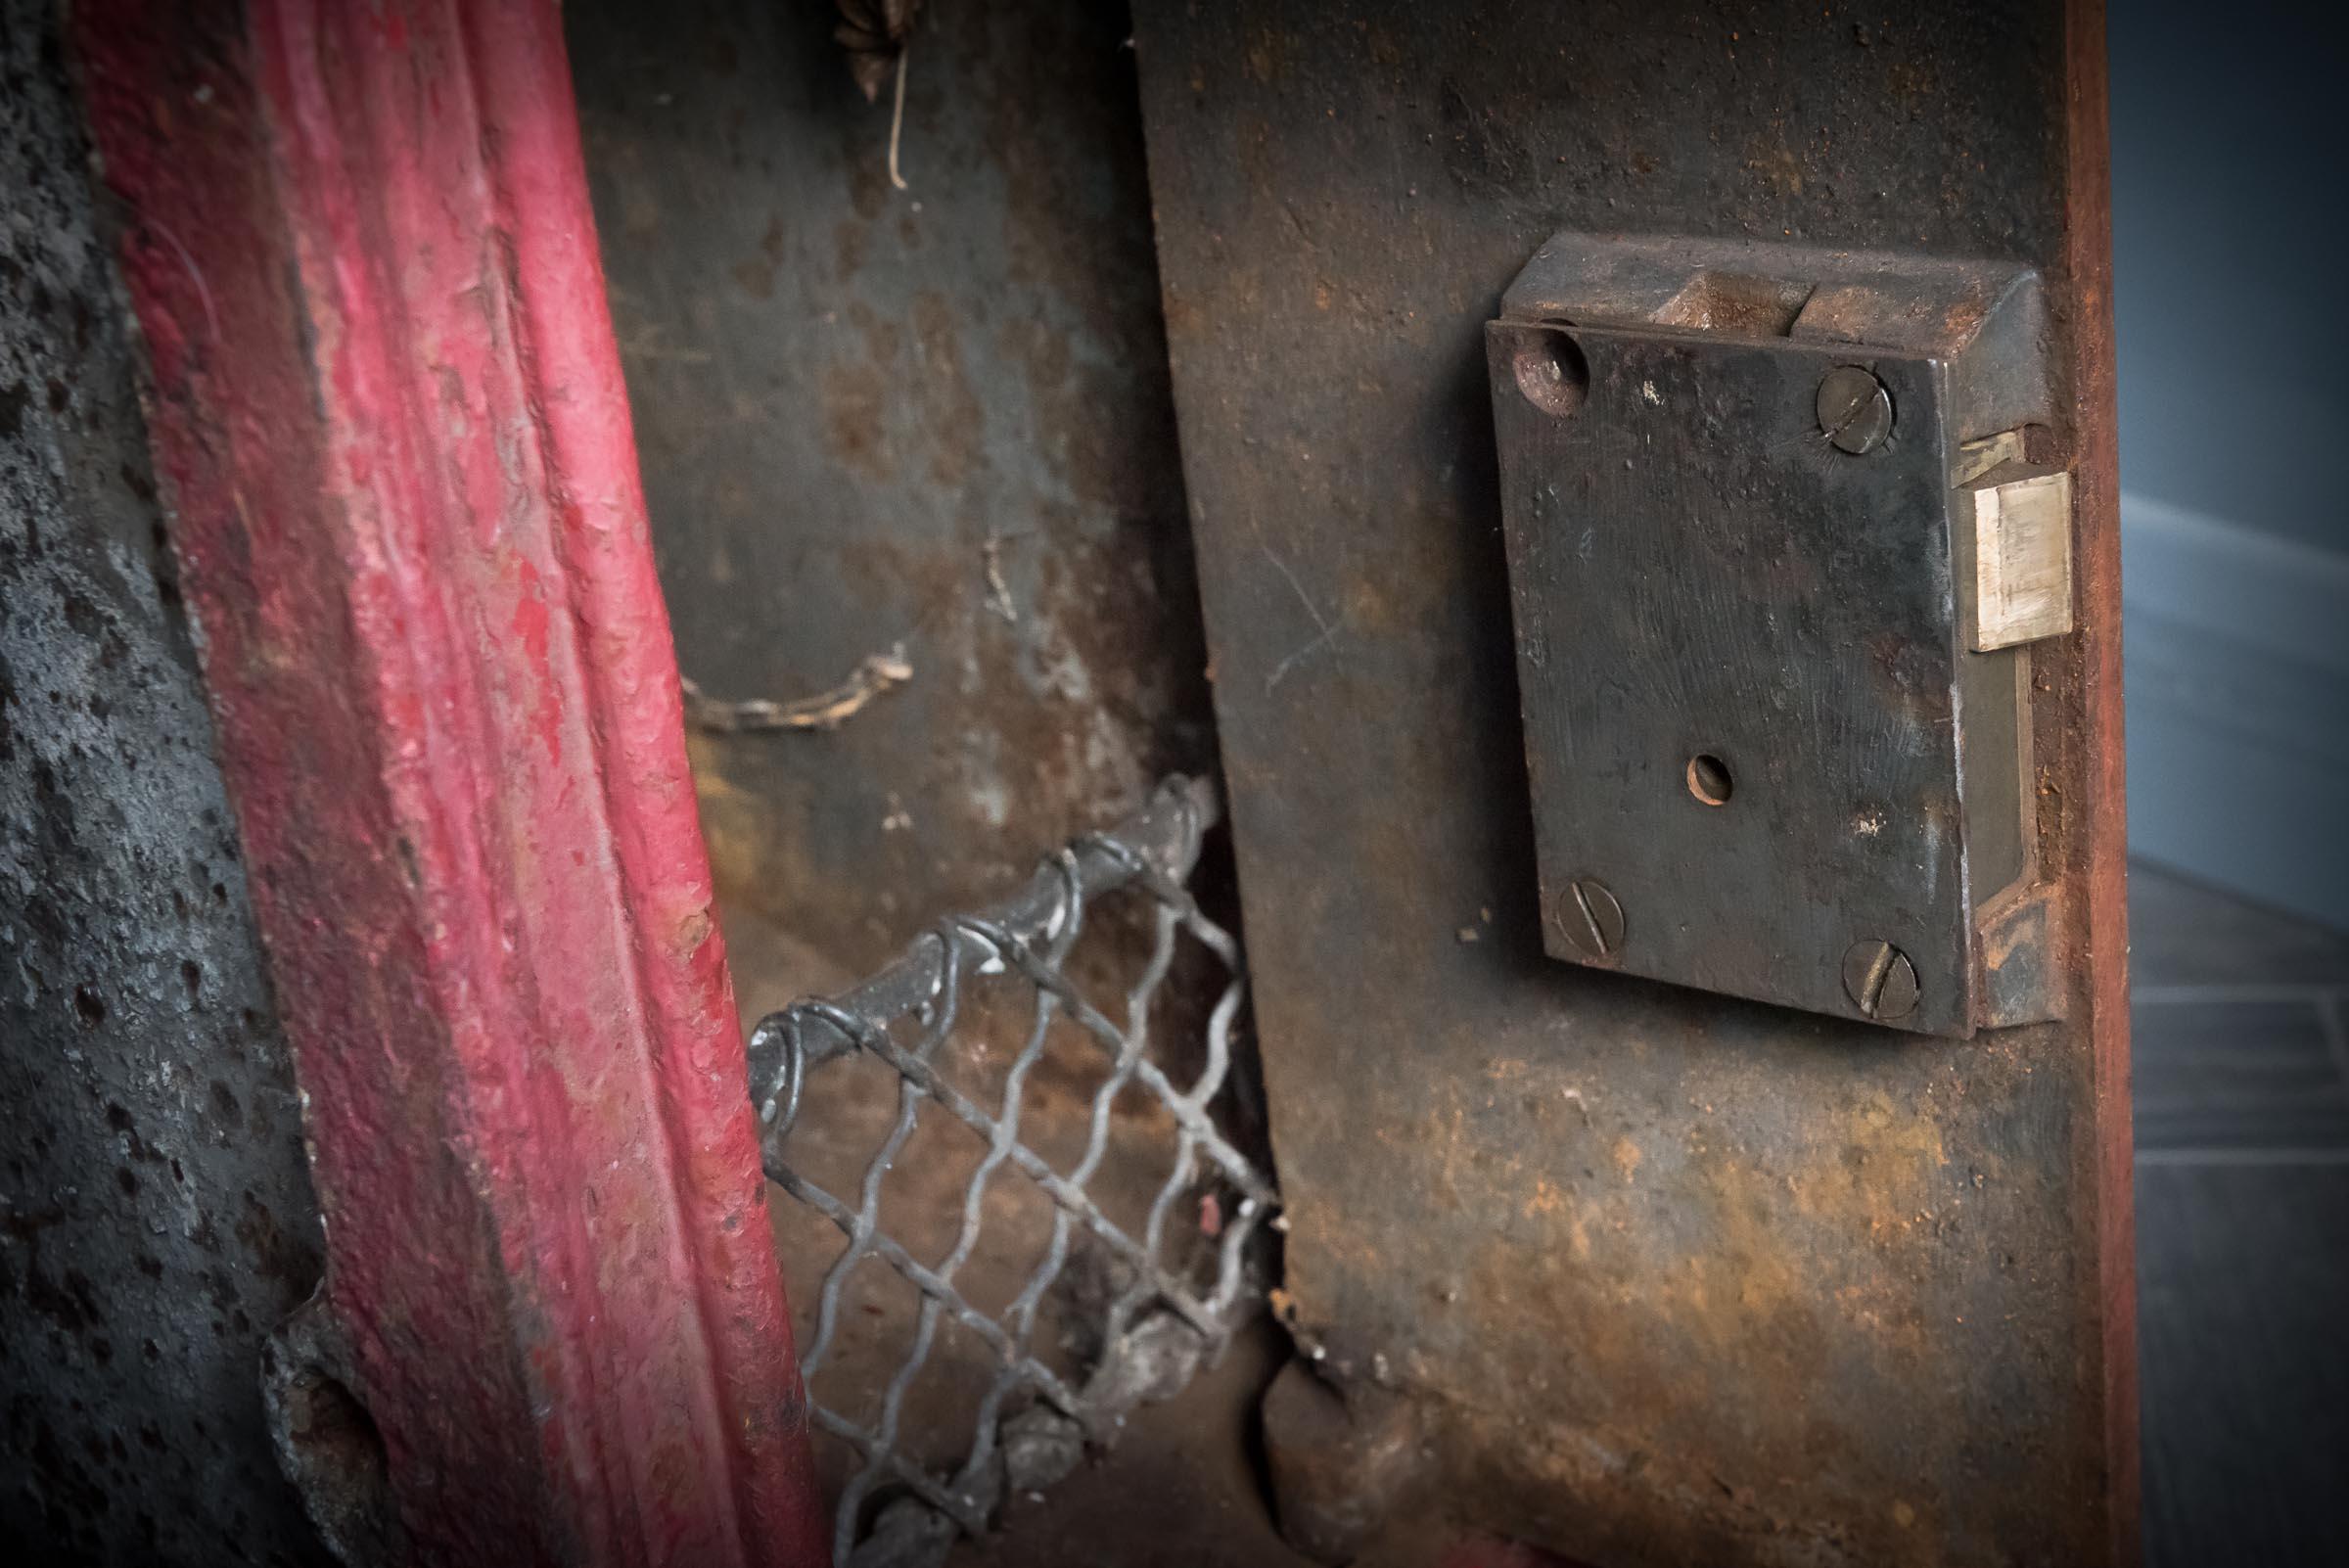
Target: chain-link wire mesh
1177 1302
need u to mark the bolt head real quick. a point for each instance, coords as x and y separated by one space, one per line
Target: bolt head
1587 916
1854 411
1880 980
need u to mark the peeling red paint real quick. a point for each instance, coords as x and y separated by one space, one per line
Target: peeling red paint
411 533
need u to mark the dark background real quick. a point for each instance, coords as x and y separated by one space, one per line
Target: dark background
2228 232
2227 226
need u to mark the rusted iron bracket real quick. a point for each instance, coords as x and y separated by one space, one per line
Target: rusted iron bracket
388 410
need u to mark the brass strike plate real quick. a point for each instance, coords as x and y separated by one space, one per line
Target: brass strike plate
1783 524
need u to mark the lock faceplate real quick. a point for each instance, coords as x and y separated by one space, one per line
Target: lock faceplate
1761 744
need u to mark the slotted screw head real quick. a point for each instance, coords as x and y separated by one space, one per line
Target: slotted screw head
1854 409
1590 918
1880 980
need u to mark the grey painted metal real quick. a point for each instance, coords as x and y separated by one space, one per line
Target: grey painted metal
155 1217
1169 1313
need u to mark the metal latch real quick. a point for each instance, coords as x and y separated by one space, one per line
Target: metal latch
1783 524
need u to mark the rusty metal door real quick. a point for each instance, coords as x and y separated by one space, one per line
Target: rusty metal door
1671 1277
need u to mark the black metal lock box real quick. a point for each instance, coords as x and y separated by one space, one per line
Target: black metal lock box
1783 524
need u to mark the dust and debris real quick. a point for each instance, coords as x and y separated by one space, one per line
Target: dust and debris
999 591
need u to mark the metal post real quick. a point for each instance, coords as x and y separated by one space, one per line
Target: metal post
388 410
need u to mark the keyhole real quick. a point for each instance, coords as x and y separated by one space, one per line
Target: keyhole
1709 779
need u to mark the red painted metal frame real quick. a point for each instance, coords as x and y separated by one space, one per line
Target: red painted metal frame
388 408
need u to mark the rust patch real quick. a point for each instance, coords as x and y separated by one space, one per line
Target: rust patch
941 390
855 408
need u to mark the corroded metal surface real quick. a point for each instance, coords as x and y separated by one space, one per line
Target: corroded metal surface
1682 1279
155 1217
386 407
934 417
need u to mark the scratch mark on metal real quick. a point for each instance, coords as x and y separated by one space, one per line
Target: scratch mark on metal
1326 631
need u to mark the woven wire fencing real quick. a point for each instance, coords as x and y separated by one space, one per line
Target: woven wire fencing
1074 1169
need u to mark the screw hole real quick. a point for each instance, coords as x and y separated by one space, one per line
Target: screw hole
1552 372
1709 779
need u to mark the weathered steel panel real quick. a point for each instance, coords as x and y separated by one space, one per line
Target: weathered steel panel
1684 1279
156 1216
388 414
934 417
